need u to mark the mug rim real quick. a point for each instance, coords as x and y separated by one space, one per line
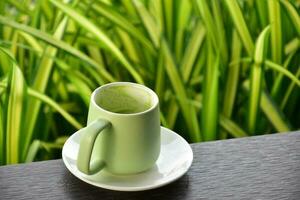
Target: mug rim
140 86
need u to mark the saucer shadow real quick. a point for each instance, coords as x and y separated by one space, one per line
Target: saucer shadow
73 188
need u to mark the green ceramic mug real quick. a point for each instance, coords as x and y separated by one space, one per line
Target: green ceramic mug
123 131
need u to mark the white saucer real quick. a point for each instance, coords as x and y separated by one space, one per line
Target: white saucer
175 159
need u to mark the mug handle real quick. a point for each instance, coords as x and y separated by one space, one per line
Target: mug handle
87 141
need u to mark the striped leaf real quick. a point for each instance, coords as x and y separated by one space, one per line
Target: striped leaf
210 96
282 70
57 43
231 127
14 114
276 33
55 106
273 113
256 78
271 110
293 14
40 83
192 51
100 36
148 22
111 14
232 80
184 14
240 25
2 133
289 91
188 111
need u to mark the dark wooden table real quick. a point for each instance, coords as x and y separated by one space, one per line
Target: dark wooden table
262 167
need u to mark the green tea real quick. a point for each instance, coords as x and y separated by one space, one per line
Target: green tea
124 99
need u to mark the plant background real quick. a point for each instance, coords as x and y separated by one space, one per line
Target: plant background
221 68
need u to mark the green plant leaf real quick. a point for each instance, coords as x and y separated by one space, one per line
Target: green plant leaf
276 33
55 106
189 112
293 14
271 110
261 9
192 51
232 127
40 83
273 113
240 25
57 43
220 30
168 8
184 14
208 20
111 14
210 96
14 121
278 81
289 91
232 79
282 70
99 35
148 22
33 150
256 78
2 133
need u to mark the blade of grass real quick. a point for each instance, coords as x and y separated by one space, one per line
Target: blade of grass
33 150
184 14
5 63
172 113
40 83
115 17
220 34
289 91
148 22
95 54
100 36
282 70
210 96
278 81
14 121
206 15
160 76
232 79
31 41
55 106
231 127
192 51
261 9
129 46
293 14
276 35
177 84
82 88
271 110
240 25
168 8
156 10
59 44
2 134
256 78
292 46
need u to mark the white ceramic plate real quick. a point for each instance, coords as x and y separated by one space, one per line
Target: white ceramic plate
175 159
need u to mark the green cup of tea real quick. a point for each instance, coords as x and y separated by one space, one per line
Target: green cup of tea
122 134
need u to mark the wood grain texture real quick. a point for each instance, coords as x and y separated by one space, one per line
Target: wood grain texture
262 167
